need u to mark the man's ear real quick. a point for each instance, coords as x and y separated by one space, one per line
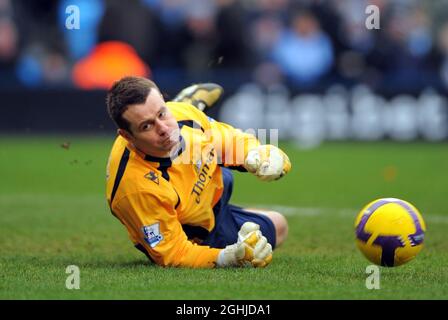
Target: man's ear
125 134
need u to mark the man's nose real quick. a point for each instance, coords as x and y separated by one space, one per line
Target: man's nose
162 128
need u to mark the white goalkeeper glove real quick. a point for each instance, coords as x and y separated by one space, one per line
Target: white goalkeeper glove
267 162
252 249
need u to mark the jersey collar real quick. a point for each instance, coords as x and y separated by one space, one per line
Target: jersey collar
168 160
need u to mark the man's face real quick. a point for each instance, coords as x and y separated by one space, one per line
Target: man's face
153 129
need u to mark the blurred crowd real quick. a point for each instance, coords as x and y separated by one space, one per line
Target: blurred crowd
303 43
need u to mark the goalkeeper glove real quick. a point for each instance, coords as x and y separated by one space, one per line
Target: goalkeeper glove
201 95
252 249
267 162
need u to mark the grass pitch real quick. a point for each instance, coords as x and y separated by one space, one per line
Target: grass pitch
53 214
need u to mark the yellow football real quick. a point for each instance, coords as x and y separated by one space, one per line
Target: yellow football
389 231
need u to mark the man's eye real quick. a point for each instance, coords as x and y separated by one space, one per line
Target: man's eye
162 114
146 127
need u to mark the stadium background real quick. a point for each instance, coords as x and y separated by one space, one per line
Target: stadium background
362 113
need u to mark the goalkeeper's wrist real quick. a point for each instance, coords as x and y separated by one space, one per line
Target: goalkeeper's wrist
226 258
220 261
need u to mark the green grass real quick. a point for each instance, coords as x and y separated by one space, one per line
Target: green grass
53 214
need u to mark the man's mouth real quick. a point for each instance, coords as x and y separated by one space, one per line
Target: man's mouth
167 141
171 139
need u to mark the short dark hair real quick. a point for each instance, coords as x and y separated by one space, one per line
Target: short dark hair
125 92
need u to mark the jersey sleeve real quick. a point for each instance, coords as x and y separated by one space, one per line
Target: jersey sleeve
231 144
154 224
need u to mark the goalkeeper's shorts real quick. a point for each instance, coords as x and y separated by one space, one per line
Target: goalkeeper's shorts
229 219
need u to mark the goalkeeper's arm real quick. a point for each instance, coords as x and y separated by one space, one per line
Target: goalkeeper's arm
243 150
267 162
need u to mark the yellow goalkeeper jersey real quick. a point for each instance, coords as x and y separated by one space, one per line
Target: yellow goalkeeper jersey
157 198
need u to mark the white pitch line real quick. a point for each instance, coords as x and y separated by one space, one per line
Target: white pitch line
39 199
340 212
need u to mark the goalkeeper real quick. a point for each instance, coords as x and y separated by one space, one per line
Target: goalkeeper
169 180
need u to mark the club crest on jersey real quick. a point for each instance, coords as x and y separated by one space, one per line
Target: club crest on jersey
152 234
153 176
